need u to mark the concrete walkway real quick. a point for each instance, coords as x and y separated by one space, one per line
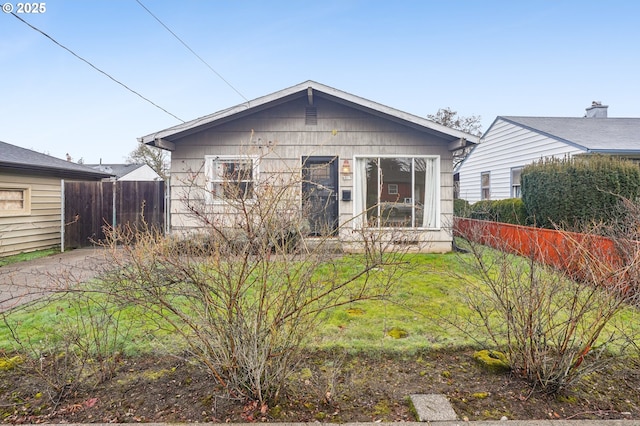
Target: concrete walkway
25 281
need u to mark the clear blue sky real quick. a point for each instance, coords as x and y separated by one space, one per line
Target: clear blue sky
486 58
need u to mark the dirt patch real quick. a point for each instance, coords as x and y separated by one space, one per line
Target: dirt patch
325 387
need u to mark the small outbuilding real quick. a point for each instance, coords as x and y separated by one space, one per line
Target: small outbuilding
31 198
128 172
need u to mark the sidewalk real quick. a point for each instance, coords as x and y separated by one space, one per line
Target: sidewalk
435 409
446 423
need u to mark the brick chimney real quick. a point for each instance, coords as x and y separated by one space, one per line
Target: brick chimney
597 110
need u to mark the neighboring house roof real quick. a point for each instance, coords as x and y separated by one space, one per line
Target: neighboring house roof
123 170
16 159
594 135
165 138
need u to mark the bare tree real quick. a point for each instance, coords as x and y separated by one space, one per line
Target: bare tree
154 157
448 117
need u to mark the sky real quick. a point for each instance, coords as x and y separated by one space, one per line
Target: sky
479 58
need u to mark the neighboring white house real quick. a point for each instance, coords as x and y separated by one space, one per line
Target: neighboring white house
137 172
492 170
354 155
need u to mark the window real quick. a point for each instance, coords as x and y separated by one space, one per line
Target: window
15 201
397 192
230 178
516 173
485 186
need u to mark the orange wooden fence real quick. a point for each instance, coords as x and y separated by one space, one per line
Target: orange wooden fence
569 251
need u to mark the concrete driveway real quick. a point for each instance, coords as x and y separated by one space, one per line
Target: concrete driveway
26 281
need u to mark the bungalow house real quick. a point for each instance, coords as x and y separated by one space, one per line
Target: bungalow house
492 169
31 194
358 164
128 172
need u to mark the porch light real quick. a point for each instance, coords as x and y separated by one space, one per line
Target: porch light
346 167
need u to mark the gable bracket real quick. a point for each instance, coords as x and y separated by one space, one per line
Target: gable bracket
164 144
458 144
310 96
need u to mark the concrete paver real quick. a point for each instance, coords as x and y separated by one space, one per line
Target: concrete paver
433 407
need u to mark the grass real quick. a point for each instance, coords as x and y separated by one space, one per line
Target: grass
424 289
8 260
42 325
422 301
426 306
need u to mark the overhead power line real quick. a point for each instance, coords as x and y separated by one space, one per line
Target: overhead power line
96 68
191 50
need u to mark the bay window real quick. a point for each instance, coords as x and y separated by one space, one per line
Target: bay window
401 192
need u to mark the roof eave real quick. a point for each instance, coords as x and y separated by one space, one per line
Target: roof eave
52 171
635 152
163 138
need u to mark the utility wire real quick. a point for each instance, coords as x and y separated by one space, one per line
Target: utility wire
191 50
96 68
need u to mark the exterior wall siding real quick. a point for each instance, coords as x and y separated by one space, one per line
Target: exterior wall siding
281 138
503 148
40 229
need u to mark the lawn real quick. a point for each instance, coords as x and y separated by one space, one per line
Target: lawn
427 310
359 365
423 296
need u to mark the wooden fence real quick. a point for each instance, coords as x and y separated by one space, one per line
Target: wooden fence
89 207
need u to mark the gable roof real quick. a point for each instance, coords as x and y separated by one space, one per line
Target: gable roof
164 138
118 170
595 135
16 159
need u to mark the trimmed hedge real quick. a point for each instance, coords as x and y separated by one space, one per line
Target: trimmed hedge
511 210
461 208
579 190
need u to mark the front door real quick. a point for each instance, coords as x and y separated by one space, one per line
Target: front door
320 194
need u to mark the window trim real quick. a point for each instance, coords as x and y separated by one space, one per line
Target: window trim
26 201
395 186
483 187
359 215
209 175
519 185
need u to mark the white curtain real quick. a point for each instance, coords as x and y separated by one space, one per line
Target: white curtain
360 193
430 210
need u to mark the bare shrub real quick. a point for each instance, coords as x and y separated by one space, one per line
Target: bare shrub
247 288
554 320
82 341
624 232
